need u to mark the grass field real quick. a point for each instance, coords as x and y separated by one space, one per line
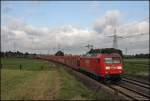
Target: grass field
32 83
26 64
137 67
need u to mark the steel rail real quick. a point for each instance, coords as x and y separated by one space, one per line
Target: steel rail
131 89
136 82
134 79
125 94
129 93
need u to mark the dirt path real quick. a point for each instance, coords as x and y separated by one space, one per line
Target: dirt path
44 87
54 91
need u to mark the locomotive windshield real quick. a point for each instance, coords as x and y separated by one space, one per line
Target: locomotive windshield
113 60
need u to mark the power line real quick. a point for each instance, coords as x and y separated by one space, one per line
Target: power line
116 37
134 23
135 35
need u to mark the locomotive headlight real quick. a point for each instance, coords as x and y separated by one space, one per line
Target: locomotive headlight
119 67
107 67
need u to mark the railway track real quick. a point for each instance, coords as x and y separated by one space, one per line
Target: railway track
130 94
137 80
125 90
129 89
136 86
134 89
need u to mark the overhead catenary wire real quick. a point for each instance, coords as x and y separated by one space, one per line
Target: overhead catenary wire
134 23
129 36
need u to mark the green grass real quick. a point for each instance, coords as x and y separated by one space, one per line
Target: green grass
31 83
27 64
12 81
75 90
138 61
137 67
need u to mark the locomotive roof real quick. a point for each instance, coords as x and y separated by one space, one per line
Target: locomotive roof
104 50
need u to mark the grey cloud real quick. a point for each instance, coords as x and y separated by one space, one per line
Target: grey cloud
110 19
70 38
34 38
106 25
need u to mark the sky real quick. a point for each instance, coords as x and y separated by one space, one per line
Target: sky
46 26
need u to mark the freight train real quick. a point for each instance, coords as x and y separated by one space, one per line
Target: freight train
103 64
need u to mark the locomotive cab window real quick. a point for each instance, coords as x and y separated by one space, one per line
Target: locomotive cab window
113 60
108 60
116 60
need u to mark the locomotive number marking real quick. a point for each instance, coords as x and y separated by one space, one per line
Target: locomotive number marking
113 67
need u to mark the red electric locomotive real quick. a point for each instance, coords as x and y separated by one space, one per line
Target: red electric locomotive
103 64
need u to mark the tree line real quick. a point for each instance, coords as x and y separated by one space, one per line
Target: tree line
18 54
58 53
137 56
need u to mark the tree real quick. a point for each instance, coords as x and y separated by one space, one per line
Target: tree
59 53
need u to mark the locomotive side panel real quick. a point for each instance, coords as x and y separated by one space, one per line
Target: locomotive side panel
91 65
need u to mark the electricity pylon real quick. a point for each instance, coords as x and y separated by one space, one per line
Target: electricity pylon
115 39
